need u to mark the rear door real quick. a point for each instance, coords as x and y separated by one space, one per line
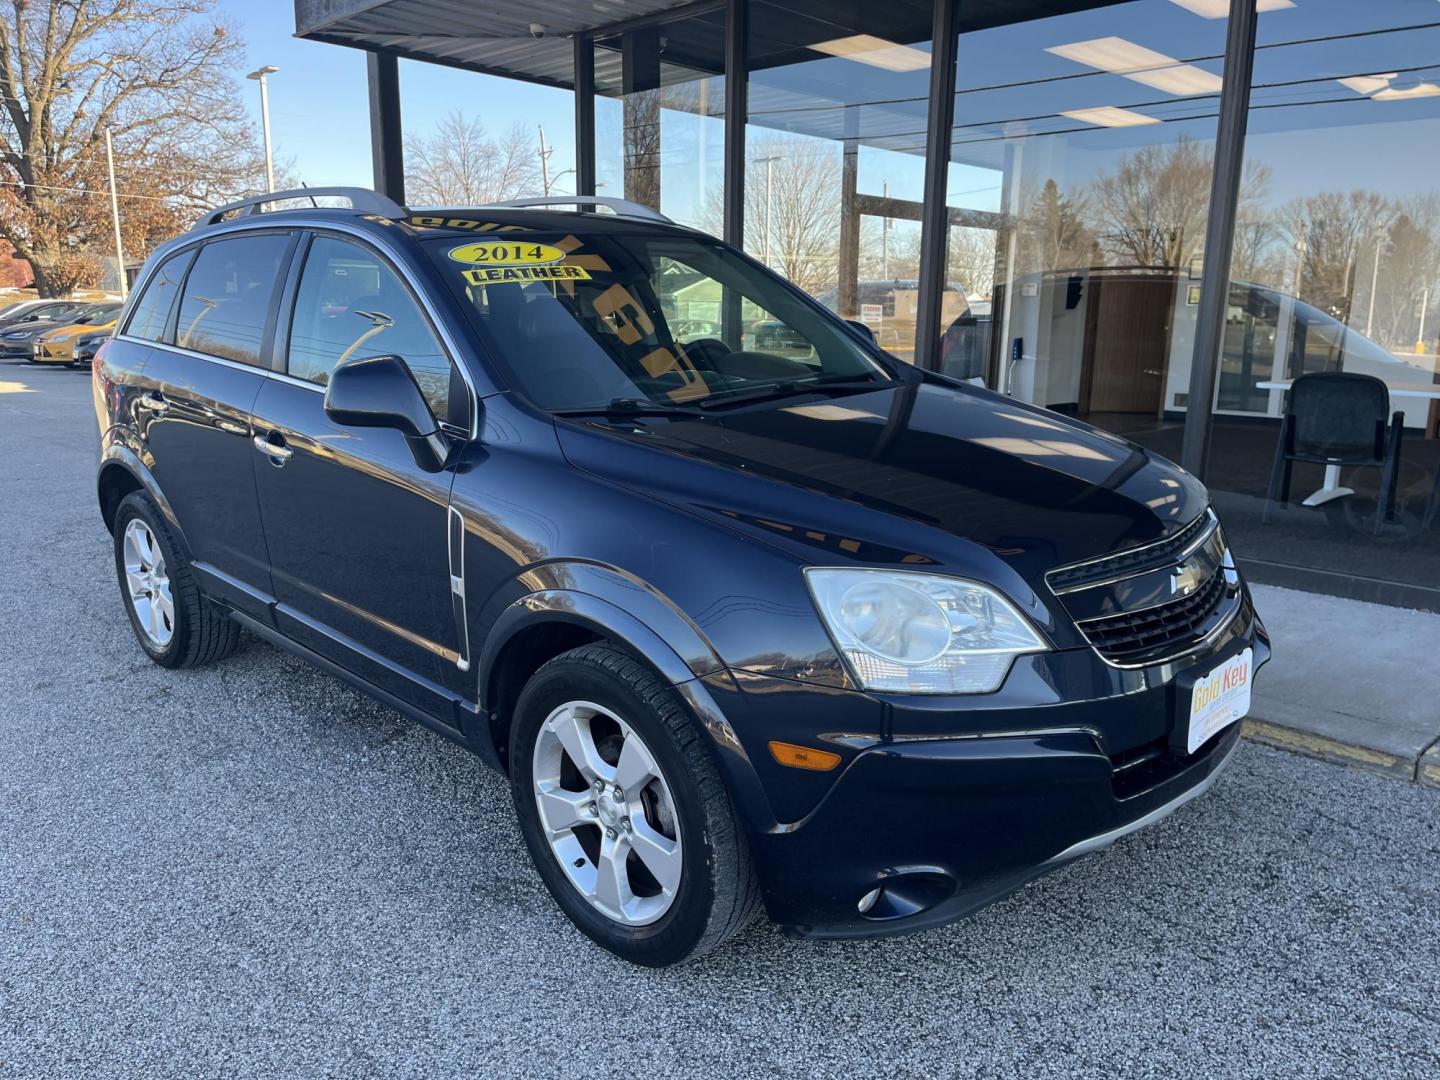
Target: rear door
203 378
356 530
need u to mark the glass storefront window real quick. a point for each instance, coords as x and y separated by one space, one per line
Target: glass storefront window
660 117
1080 171
835 148
1336 269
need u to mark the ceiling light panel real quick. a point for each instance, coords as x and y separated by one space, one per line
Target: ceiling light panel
877 52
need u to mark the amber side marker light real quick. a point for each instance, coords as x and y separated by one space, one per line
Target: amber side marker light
803 757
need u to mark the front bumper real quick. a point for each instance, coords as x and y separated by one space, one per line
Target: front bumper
926 829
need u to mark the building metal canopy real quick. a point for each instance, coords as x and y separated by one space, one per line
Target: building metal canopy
493 37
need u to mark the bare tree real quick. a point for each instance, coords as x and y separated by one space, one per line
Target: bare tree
792 208
1151 210
153 72
460 164
1328 230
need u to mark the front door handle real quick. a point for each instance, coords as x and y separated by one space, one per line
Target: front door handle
278 453
155 402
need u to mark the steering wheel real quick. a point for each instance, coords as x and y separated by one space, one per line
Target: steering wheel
704 352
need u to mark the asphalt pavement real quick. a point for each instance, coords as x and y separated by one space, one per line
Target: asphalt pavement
248 870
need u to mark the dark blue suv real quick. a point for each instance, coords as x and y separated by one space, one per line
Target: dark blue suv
811 630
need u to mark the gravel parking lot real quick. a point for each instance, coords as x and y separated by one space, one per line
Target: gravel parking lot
249 870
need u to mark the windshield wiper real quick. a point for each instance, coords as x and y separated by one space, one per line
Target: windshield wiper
622 407
789 388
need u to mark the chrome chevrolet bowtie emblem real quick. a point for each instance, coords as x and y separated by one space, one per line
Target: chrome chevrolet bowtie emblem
1184 580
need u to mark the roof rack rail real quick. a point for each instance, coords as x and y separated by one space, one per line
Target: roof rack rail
361 199
622 207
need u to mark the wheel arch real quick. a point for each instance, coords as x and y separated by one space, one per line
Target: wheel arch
121 473
544 624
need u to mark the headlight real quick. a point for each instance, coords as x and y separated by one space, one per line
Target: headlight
921 633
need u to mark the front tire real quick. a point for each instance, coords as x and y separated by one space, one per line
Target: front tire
624 812
174 623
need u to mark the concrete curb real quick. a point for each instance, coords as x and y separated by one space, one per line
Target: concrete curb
1316 745
1347 684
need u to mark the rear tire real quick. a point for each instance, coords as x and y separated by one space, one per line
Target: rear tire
586 720
174 623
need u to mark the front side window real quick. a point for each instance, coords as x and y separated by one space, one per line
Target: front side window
678 321
227 296
152 307
352 304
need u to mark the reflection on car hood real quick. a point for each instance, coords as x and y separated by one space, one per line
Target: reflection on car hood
898 474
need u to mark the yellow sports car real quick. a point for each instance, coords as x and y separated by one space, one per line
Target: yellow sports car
57 346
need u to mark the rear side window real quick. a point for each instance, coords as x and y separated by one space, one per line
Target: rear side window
351 304
227 296
152 307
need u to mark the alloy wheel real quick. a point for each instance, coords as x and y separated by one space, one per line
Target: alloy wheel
607 813
147 582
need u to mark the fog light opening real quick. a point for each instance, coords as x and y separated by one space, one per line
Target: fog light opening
907 892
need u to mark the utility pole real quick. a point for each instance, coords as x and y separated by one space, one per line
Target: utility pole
1374 280
261 76
115 216
544 161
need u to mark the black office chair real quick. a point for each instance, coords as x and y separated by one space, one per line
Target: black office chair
1338 418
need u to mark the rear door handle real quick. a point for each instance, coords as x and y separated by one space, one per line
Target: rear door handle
155 402
277 452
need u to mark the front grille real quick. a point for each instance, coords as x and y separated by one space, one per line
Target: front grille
1160 553
1157 632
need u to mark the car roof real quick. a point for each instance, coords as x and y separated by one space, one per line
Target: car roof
450 222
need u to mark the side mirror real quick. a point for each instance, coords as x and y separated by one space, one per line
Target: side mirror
864 328
381 392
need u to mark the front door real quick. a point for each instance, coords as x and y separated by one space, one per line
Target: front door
356 530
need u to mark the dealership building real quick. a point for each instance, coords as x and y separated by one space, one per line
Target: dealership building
1152 215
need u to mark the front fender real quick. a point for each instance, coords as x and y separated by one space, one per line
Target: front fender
663 638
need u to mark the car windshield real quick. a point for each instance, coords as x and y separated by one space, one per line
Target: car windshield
642 319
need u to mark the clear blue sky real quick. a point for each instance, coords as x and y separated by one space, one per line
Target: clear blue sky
319 111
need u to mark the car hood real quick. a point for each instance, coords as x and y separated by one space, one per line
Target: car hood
30 328
912 475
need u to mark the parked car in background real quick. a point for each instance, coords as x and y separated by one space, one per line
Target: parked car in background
87 345
810 629
57 346
19 339
27 311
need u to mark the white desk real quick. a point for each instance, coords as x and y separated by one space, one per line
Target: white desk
1331 489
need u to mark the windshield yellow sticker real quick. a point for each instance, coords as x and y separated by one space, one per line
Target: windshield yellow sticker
506 253
498 275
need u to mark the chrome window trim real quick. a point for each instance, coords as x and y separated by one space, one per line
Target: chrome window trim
300 221
1199 542
255 369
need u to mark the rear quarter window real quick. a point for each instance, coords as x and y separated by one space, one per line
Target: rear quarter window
151 313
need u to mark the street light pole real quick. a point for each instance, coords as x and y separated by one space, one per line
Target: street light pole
769 186
115 216
261 76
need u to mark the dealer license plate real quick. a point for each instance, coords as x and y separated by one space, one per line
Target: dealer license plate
1220 697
